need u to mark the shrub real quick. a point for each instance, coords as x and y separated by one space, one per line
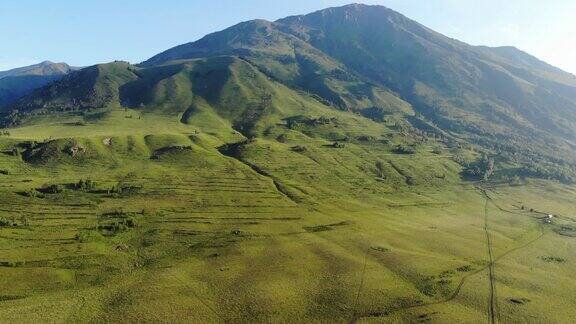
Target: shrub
32 193
85 236
553 259
123 190
380 169
466 268
11 264
149 212
6 222
117 226
404 149
53 189
366 138
299 149
338 145
437 150
22 222
85 185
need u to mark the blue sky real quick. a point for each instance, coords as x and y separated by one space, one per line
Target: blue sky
94 31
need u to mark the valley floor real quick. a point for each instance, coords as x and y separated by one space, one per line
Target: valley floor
198 236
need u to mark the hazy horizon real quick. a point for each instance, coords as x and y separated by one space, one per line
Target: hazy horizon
82 34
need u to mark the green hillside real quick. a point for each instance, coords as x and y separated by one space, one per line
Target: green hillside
350 165
501 99
293 62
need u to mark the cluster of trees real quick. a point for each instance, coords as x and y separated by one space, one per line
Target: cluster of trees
299 121
82 185
480 170
563 174
11 119
45 189
543 161
538 155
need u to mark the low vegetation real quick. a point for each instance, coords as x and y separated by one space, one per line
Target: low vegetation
261 178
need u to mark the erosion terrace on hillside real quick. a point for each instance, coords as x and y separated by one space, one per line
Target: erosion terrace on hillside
350 165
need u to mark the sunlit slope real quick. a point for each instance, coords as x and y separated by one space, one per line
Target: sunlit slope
294 62
180 228
360 58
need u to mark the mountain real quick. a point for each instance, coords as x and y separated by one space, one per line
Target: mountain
368 60
501 98
498 86
19 82
346 166
292 61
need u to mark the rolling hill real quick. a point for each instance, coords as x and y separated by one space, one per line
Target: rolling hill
350 165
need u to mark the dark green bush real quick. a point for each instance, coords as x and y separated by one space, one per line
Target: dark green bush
53 189
405 149
85 185
299 149
32 193
338 145
6 222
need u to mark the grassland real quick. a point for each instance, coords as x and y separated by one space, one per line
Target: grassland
345 166
193 222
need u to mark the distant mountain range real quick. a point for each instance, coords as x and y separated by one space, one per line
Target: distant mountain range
16 83
368 60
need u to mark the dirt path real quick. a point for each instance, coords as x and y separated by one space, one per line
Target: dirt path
492 300
493 296
363 276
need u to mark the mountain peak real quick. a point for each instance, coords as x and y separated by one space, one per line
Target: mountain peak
358 7
42 68
355 14
19 82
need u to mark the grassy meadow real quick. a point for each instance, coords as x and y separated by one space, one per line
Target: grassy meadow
192 222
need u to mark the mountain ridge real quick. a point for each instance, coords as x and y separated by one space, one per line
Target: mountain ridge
19 82
375 62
